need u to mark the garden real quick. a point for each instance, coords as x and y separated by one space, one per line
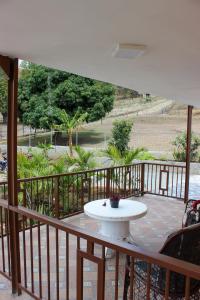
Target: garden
64 103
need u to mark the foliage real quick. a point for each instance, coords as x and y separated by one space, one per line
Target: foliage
145 155
3 97
45 148
83 160
124 93
163 158
32 165
121 135
43 92
60 166
115 156
148 97
180 144
70 124
40 193
39 114
115 197
117 159
37 163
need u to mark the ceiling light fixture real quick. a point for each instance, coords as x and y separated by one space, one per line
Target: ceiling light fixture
129 51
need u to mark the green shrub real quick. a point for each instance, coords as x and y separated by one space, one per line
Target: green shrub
180 144
82 161
127 158
163 158
145 155
121 135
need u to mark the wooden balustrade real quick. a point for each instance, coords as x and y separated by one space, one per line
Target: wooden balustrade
49 245
165 180
63 195
53 256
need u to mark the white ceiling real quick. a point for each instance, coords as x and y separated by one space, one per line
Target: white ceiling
79 36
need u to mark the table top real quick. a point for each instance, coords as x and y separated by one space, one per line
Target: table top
127 210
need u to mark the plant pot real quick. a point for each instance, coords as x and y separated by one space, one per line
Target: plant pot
114 203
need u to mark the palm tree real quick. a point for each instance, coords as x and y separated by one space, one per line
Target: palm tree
60 166
33 165
117 159
69 125
83 160
118 176
45 148
115 156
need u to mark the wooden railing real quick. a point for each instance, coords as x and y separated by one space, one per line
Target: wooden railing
65 194
165 180
61 261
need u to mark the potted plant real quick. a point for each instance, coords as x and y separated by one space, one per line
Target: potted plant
114 200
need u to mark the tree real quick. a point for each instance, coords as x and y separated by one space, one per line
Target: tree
33 165
3 97
45 147
121 135
124 93
69 125
40 114
117 158
180 144
41 88
83 161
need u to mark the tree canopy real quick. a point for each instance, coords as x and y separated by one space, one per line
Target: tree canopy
70 124
180 144
121 132
3 96
43 92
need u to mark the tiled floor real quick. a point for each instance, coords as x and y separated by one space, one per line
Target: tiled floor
163 217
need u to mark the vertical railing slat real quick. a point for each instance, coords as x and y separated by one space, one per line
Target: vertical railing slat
116 274
48 264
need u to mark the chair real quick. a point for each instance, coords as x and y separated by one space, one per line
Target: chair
184 245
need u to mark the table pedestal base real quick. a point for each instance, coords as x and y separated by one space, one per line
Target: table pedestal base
115 230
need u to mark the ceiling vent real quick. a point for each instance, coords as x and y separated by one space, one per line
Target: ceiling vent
129 51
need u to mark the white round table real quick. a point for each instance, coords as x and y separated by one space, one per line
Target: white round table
115 221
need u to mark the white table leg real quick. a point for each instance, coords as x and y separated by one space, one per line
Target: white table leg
114 231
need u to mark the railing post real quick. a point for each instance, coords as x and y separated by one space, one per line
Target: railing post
12 175
189 136
126 171
142 178
24 197
108 183
57 191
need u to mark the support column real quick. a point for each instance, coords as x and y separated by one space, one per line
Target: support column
12 174
188 148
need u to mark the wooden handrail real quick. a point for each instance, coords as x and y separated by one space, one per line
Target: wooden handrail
93 170
164 261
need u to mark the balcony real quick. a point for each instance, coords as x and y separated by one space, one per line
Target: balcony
164 216
61 254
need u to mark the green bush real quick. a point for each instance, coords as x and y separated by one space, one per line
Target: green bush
145 155
180 144
121 135
127 158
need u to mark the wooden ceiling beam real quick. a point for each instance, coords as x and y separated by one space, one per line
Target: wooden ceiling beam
5 65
